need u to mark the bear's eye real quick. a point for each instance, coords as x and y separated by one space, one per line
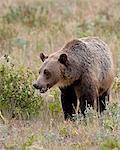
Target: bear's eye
46 73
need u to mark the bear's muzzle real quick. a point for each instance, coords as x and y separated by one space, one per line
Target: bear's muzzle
41 88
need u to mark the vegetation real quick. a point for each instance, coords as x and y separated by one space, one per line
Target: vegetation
17 97
36 121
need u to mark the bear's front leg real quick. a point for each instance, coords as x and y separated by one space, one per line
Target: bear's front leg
69 102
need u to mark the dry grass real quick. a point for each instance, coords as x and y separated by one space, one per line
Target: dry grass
62 21
28 27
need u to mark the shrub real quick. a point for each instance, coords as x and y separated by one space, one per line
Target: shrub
17 96
55 106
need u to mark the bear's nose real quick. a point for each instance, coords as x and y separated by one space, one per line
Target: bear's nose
36 85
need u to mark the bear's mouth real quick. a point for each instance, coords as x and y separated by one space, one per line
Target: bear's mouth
43 90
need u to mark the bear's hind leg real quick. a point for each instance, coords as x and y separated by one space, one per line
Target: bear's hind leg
86 100
102 101
69 101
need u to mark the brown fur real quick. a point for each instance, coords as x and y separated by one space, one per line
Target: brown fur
85 64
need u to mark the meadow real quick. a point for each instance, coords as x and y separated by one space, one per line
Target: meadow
35 121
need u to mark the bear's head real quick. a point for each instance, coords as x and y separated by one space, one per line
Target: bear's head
52 71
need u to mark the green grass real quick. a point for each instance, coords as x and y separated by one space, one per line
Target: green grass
36 121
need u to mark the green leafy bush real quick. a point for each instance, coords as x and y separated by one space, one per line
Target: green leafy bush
55 106
17 96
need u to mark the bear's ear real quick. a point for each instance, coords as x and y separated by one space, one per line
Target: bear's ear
43 57
63 59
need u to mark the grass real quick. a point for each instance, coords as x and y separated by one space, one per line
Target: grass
26 29
94 133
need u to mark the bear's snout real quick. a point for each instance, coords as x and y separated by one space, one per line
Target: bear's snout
35 85
42 88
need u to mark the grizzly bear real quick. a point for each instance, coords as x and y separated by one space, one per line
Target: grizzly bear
83 70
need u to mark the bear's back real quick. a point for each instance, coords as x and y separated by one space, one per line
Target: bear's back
93 55
90 51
